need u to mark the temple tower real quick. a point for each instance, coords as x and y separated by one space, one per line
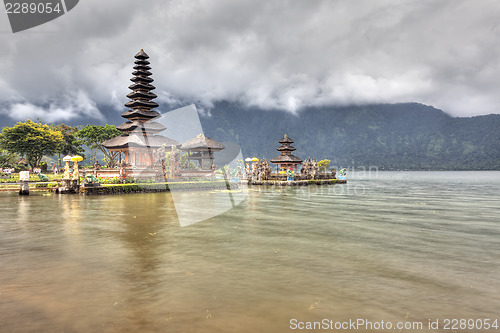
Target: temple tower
286 159
140 132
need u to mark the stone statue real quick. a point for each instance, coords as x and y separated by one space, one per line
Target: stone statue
334 173
266 169
306 168
314 169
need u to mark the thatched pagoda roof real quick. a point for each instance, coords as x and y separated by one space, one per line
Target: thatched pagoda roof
285 148
142 72
141 86
136 125
286 139
139 113
138 140
141 104
142 66
141 94
140 78
283 159
201 142
141 55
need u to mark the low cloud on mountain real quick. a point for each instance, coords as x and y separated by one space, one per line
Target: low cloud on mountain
284 55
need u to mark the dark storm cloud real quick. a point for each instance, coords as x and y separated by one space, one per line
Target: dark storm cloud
270 54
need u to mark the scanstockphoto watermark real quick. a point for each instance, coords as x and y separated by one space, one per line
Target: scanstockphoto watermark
363 324
26 14
356 178
355 325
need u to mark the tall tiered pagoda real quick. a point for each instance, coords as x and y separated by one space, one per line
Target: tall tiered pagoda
286 160
140 132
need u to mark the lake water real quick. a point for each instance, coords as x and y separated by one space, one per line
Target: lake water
394 246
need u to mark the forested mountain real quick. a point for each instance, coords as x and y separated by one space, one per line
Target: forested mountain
389 136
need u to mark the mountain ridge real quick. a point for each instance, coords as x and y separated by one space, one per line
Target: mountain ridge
390 136
398 136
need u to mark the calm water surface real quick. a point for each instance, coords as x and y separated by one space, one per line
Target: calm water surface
392 246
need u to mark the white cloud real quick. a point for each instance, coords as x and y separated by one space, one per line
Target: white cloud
285 55
76 106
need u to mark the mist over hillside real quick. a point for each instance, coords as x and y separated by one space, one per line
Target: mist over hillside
389 136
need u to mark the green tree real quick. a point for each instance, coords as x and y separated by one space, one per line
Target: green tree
31 140
323 165
93 136
72 145
7 159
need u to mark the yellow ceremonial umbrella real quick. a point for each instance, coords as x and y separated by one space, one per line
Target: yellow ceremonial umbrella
255 159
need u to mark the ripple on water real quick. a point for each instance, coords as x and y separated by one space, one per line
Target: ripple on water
384 246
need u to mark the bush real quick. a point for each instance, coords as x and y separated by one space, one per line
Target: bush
20 167
128 180
114 180
323 165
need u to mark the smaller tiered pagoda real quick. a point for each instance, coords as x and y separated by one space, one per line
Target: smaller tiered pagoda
286 160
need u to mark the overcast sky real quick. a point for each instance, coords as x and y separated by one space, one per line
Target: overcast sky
271 54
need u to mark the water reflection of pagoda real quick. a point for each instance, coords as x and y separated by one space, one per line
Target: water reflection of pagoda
140 138
286 160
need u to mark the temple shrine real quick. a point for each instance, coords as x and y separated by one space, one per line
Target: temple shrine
200 150
286 160
140 137
287 170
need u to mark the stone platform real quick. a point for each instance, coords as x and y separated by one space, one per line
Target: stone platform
295 182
